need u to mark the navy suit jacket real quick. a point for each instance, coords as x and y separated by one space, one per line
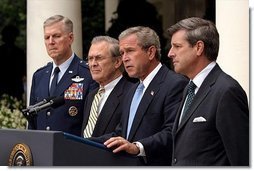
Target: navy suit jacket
112 110
153 122
76 81
223 136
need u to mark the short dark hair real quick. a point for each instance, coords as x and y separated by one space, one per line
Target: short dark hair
146 37
198 29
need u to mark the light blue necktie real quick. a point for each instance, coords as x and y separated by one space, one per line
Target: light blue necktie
134 105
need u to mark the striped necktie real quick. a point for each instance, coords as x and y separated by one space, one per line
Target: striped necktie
88 131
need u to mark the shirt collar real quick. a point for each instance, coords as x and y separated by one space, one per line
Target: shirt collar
150 77
112 84
200 77
64 66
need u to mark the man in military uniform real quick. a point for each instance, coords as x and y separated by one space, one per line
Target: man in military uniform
72 81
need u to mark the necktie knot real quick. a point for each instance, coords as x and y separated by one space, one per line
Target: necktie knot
101 90
140 87
56 70
191 87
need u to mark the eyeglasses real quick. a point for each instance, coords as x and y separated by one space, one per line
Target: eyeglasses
95 58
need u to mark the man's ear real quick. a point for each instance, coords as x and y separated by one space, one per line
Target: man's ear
200 47
151 52
118 62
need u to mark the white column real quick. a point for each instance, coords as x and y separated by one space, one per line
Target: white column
110 8
232 21
37 12
251 4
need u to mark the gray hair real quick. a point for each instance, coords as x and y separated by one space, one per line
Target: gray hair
198 29
59 18
114 44
146 37
113 48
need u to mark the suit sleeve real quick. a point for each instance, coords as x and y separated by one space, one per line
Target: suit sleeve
169 107
233 125
32 120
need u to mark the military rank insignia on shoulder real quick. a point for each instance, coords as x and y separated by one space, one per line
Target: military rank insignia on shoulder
45 66
84 63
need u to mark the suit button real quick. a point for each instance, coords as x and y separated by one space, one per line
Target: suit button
48 113
48 128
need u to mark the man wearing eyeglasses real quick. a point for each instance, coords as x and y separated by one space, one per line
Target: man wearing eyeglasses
102 113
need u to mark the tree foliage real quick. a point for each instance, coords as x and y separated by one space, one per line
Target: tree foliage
93 19
14 12
93 22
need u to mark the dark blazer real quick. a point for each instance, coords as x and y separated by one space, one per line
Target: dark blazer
111 112
76 81
223 136
154 118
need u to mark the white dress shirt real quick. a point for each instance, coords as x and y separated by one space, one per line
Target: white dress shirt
108 89
198 80
146 83
63 67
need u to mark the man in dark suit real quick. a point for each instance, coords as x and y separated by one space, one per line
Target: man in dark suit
214 130
74 80
147 132
106 67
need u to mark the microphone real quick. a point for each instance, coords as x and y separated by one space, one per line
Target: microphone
38 104
56 102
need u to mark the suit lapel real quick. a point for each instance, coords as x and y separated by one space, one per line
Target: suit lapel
176 123
148 96
195 103
88 104
126 109
201 95
109 107
45 80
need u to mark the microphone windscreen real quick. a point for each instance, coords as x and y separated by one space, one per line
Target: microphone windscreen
58 101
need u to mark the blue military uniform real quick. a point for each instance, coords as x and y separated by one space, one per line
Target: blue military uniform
74 86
